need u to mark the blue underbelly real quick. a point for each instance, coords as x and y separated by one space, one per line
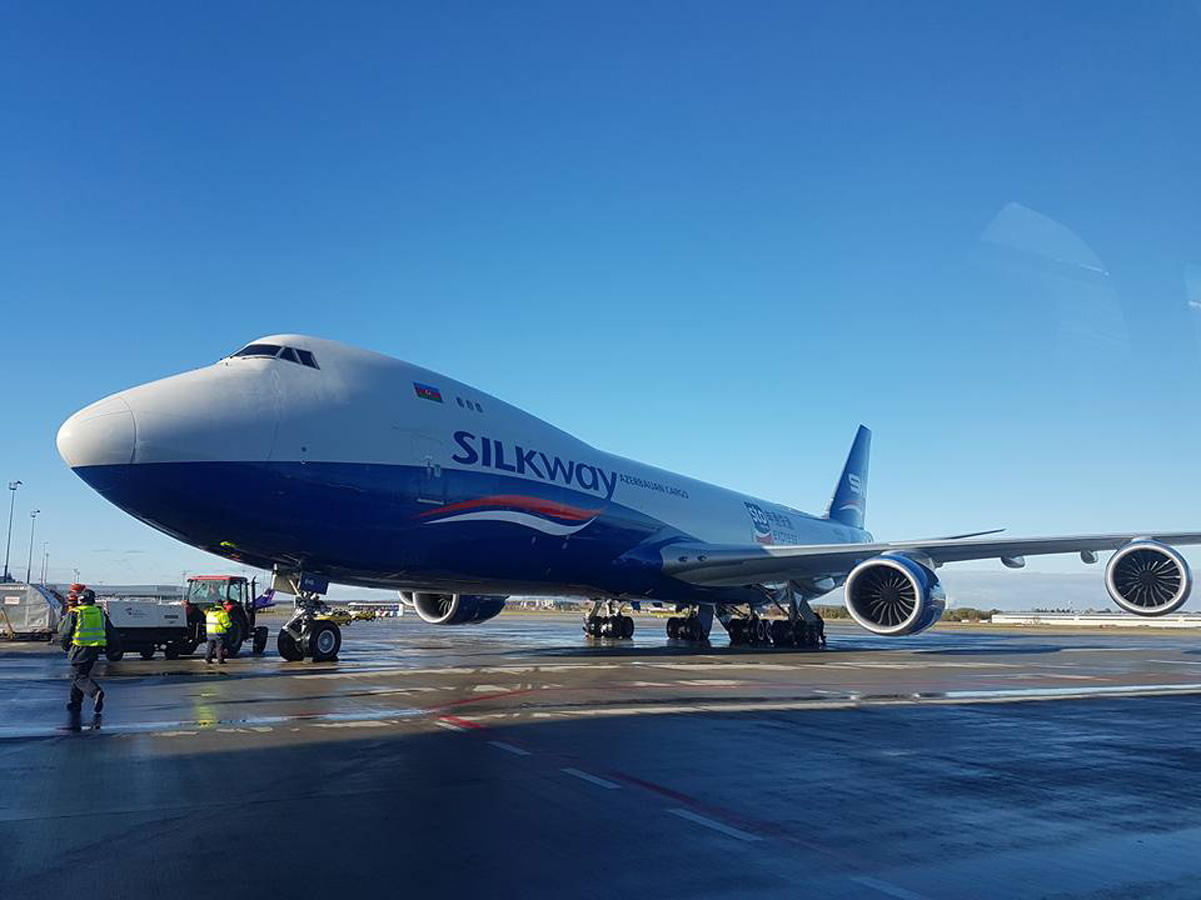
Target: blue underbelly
388 525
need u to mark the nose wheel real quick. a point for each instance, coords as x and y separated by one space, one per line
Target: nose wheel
306 635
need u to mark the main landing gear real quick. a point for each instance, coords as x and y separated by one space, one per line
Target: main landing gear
605 620
803 627
693 626
308 635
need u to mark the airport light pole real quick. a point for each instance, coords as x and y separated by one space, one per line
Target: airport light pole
12 497
33 521
45 559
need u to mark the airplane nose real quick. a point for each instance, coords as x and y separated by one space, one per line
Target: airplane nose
102 434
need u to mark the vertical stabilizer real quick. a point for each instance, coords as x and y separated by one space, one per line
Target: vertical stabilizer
848 506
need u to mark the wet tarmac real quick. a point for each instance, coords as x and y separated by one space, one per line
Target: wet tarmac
517 758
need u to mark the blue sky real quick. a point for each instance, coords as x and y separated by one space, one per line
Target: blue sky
714 237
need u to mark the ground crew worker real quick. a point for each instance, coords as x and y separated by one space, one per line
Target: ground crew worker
73 595
216 623
86 631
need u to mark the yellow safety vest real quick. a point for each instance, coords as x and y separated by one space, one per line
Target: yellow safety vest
89 627
216 621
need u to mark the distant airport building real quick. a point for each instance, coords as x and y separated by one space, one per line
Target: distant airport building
1097 620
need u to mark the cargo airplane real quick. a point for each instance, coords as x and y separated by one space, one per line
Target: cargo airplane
324 462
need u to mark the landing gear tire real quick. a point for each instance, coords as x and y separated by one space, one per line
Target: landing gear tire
685 628
260 640
627 627
325 640
614 627
749 632
146 653
289 648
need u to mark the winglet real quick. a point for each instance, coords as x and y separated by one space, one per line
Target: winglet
848 506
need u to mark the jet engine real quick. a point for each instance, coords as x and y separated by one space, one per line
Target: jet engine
456 609
893 594
1148 578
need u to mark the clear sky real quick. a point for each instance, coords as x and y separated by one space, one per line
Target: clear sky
711 236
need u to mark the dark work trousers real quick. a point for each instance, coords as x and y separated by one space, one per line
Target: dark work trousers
215 644
83 682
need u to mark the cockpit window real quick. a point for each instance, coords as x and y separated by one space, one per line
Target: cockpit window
291 354
258 350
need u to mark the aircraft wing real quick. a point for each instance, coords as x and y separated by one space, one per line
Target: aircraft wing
726 565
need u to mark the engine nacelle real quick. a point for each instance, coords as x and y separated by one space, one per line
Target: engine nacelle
456 609
895 595
1148 578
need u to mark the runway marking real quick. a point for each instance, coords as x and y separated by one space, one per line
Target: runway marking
727 830
885 888
1102 649
509 748
594 779
1070 693
457 723
481 698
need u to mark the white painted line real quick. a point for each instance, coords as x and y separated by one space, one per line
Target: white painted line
516 751
727 830
1102 649
885 888
594 779
442 724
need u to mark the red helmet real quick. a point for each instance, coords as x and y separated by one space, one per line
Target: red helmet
76 587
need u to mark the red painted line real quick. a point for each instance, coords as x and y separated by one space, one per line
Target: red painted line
462 723
724 816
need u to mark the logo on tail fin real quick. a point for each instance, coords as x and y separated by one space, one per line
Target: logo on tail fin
849 503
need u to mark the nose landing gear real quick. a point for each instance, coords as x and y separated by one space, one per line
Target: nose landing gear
307 633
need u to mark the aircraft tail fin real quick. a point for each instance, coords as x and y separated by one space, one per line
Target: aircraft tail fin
848 506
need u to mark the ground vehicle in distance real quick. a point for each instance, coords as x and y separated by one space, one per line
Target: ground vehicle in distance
206 591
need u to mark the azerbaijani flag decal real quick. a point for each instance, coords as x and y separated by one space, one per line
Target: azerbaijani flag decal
546 516
427 392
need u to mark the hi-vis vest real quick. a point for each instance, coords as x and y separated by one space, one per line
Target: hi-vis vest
216 621
89 627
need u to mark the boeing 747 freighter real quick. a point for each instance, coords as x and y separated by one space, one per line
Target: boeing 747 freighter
325 462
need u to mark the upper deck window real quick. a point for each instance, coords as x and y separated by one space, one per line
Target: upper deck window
258 350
